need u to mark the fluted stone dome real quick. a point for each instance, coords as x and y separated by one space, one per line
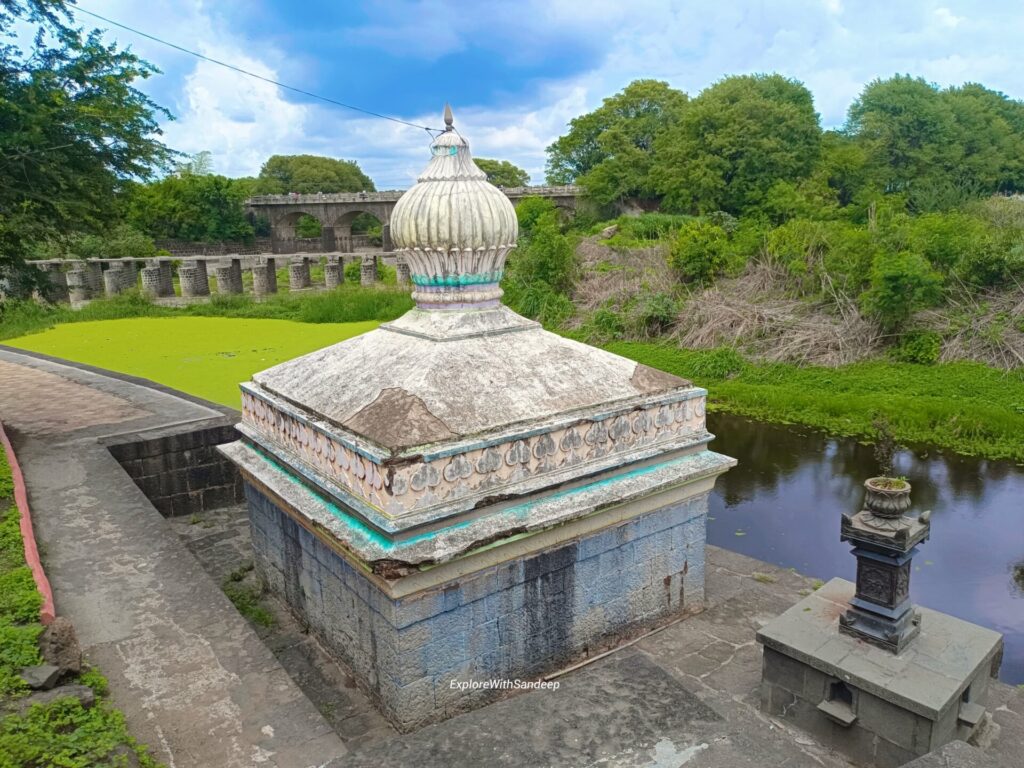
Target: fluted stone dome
454 229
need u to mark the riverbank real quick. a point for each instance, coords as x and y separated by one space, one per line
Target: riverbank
964 407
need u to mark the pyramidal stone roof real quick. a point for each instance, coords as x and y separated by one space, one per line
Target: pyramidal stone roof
460 400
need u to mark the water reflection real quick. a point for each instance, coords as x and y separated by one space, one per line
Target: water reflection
783 503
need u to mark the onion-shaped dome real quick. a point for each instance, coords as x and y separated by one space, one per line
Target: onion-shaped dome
454 228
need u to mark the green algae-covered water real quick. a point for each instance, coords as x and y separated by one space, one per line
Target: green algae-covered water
204 356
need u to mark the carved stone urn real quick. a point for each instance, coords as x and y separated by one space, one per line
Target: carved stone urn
887 497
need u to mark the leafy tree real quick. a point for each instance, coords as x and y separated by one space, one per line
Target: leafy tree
939 148
698 251
502 173
187 206
735 141
310 174
533 209
610 151
122 242
73 130
901 283
308 226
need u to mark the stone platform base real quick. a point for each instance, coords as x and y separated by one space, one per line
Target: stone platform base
528 614
879 708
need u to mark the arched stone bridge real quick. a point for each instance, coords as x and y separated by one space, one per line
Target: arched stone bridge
337 211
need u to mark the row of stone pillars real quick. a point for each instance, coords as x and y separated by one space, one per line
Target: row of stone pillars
87 279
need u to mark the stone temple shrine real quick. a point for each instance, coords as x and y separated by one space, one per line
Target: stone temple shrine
461 495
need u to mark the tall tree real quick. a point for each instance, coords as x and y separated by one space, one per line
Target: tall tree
502 173
939 147
736 141
73 130
190 206
610 151
310 174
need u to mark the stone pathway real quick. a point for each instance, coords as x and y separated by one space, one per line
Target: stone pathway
194 680
205 688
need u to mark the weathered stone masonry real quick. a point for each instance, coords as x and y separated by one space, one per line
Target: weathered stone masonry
518 618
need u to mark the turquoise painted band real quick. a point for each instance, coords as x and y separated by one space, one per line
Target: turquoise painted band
457 280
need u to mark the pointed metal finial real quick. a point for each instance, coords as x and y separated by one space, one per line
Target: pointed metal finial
448 118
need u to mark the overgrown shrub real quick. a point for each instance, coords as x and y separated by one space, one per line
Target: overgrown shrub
531 210
699 251
921 347
901 283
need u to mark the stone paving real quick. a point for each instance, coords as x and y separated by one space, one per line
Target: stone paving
205 688
194 680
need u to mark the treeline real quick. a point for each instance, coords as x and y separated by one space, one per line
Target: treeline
913 204
753 144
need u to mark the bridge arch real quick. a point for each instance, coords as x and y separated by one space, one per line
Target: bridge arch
347 229
283 226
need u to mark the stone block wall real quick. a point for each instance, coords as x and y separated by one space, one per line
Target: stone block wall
516 620
183 473
883 735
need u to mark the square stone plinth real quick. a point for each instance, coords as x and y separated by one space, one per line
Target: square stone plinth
879 708
514 610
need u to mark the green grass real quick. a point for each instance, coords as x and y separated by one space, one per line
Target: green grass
204 356
965 407
62 733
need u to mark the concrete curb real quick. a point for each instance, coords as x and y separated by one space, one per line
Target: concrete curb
46 611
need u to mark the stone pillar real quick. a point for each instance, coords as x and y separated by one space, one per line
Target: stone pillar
114 280
368 270
94 270
152 281
166 277
236 273
298 275
194 282
227 281
385 237
129 275
78 284
327 241
402 271
333 276
264 279
58 282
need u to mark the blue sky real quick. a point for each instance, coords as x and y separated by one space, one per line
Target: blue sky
517 72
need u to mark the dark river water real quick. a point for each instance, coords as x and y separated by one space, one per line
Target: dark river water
782 504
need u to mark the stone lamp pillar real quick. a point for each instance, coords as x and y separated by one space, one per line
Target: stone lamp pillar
885 541
460 495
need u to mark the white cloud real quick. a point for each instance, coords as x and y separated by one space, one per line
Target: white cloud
691 44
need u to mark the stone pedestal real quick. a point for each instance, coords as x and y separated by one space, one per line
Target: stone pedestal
298 275
333 276
152 281
264 279
879 708
129 275
368 270
113 280
58 282
229 282
78 280
402 271
193 279
95 272
166 277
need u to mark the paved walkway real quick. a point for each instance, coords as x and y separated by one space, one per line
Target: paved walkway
194 680
199 686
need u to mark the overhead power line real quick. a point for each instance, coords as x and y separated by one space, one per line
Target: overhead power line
246 72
